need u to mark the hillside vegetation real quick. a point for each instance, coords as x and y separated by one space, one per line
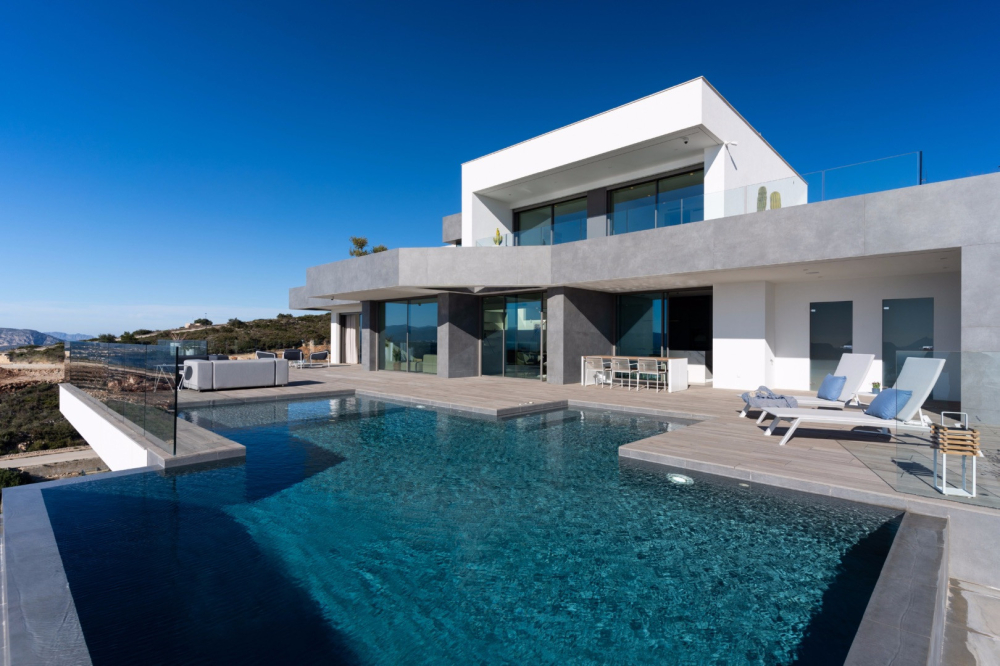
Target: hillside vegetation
30 419
239 337
35 354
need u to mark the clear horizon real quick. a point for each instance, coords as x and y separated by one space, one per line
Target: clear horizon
163 162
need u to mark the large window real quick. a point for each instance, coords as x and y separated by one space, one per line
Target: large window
407 335
551 225
666 323
669 201
514 336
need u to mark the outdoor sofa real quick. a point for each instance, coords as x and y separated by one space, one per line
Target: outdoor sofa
220 375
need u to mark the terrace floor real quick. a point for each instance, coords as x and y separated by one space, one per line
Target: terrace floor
854 465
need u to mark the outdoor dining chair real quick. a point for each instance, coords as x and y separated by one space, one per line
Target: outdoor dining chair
621 371
647 368
594 365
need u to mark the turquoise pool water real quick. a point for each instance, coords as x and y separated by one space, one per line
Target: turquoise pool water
363 532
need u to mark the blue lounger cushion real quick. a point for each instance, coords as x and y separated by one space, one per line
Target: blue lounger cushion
831 388
888 403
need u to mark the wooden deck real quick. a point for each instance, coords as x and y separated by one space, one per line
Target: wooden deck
852 465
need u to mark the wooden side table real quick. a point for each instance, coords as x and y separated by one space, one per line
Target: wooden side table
957 440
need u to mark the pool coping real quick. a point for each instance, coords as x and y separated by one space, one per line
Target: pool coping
904 621
64 642
213 447
41 625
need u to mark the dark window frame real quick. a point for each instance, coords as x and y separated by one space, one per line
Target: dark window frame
655 180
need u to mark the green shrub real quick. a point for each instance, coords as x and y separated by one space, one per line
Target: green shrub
30 416
10 478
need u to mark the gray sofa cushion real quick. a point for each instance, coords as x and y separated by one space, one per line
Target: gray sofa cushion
280 372
218 375
243 374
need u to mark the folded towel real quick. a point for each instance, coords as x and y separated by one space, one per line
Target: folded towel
765 397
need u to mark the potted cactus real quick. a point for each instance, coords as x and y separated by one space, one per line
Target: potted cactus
876 387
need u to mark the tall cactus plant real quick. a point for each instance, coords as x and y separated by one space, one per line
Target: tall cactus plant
775 200
761 199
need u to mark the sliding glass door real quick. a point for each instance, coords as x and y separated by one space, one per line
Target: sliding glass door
640 324
514 336
554 224
666 202
666 323
407 335
494 315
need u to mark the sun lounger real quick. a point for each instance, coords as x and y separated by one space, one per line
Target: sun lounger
854 367
917 376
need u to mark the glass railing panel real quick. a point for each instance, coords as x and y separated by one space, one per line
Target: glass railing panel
944 442
636 209
136 384
888 173
163 367
568 232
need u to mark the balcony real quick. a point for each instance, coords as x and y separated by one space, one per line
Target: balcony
652 212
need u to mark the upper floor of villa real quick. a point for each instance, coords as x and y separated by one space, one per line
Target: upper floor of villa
681 155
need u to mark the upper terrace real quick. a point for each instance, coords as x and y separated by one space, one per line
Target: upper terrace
689 128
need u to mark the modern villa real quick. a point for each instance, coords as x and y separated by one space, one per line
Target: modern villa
670 227
479 474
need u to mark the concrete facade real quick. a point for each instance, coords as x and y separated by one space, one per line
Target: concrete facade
939 241
458 335
580 322
451 228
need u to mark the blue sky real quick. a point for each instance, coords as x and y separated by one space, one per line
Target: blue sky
161 161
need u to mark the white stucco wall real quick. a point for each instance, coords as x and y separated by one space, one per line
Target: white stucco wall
733 173
761 329
690 106
742 356
335 340
112 444
792 318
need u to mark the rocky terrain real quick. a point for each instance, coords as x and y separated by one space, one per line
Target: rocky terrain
11 338
70 337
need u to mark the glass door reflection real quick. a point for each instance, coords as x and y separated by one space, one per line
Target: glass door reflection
831 335
907 326
514 336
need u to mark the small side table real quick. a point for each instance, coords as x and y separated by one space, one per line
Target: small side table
957 440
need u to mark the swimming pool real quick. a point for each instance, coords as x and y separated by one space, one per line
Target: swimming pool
364 532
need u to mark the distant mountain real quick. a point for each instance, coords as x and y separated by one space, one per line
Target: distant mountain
11 338
70 337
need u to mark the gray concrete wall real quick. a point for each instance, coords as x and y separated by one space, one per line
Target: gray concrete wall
597 212
981 333
299 299
369 335
451 228
579 322
944 215
458 335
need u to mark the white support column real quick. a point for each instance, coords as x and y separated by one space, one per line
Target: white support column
743 325
336 343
